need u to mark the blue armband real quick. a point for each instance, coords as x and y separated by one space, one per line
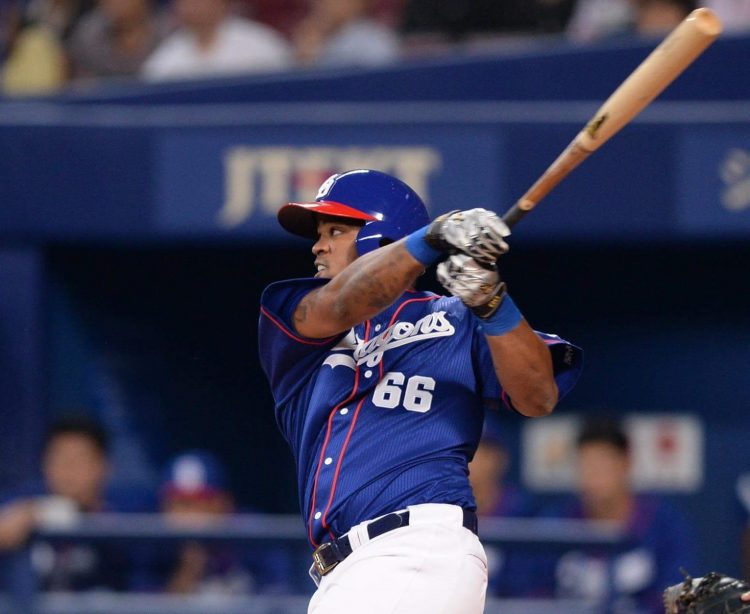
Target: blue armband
505 319
418 248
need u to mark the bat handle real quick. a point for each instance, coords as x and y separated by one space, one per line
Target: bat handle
514 215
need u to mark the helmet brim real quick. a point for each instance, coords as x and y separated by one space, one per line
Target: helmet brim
300 220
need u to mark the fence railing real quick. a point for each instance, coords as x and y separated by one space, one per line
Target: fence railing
22 596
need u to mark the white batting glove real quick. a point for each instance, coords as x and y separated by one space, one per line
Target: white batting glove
478 287
479 233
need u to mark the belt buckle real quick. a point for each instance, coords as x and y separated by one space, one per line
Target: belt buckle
319 563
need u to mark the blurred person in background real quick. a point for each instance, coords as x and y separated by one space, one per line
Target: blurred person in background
115 39
75 471
195 493
594 20
282 15
658 541
59 16
734 14
10 21
344 33
498 497
494 494
37 59
211 42
659 17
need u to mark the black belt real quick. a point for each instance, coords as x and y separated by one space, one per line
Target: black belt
330 554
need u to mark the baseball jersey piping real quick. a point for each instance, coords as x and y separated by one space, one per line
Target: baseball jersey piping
292 335
325 445
356 414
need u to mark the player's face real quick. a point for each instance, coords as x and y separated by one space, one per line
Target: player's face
335 249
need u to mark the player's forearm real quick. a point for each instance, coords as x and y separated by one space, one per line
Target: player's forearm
523 365
362 290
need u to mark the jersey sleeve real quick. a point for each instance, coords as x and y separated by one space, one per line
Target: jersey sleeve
287 358
567 362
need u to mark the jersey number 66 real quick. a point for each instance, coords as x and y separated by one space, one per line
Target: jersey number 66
416 393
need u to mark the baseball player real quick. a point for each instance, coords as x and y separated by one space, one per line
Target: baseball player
379 391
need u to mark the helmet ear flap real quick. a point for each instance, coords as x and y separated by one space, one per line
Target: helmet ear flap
370 237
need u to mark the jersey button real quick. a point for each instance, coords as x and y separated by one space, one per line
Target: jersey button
317 515
378 327
344 411
328 461
368 373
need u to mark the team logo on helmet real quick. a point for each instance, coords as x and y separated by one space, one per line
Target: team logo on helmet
325 187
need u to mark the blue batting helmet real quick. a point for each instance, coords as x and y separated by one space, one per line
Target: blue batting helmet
389 208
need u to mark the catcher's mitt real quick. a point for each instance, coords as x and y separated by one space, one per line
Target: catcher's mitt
714 593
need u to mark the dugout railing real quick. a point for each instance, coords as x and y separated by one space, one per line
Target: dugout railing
21 596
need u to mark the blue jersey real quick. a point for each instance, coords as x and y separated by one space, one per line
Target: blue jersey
387 414
631 576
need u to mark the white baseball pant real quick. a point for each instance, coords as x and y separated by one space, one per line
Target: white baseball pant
432 566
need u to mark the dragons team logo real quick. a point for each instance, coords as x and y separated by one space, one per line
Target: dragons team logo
325 187
353 351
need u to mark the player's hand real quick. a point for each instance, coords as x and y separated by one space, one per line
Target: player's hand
479 287
746 596
478 233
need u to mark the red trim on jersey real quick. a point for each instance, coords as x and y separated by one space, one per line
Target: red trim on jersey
398 310
341 460
293 336
323 450
359 406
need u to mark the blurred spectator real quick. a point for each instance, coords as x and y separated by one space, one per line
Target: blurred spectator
597 19
659 17
344 33
37 61
10 21
281 15
658 540
211 42
497 497
75 469
487 473
734 14
194 493
58 16
115 39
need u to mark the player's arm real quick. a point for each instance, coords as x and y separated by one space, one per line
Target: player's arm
522 361
374 281
362 290
523 365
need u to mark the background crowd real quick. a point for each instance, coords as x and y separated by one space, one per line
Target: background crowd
46 45
193 490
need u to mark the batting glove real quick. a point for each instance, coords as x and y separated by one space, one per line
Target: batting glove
478 233
479 287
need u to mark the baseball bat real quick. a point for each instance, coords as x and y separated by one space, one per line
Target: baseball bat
665 63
